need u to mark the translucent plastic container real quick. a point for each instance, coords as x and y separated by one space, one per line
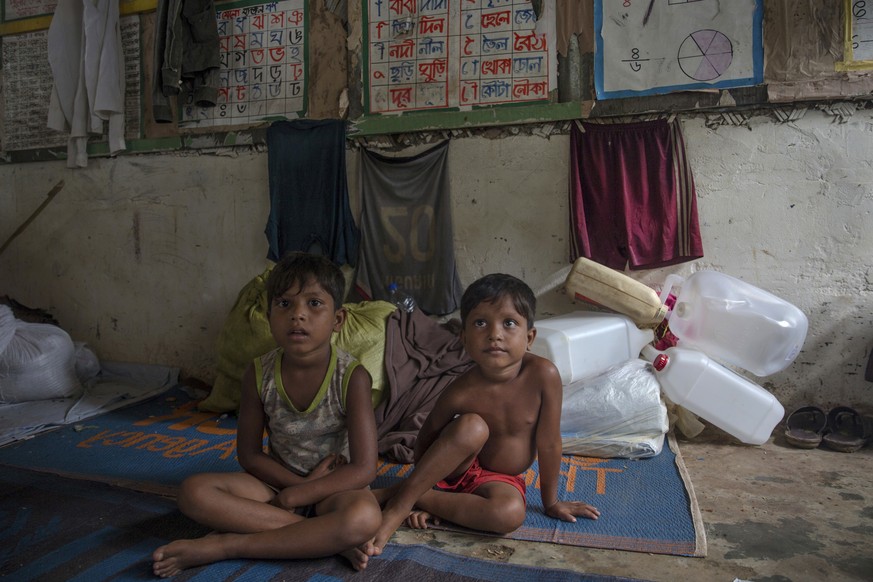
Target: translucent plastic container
711 391
401 298
600 285
584 344
733 321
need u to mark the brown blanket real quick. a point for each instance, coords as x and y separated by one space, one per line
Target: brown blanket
421 358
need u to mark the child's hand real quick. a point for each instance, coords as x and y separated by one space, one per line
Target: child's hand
568 510
327 466
285 499
418 519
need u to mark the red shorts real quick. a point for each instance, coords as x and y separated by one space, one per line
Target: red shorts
476 476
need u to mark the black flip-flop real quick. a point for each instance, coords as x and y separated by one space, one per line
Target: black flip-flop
804 427
846 431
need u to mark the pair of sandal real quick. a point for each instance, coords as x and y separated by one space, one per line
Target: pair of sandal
842 429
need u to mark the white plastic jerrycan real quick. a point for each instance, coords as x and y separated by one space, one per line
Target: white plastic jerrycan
708 389
733 321
583 344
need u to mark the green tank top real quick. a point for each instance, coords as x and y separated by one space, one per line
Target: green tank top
299 439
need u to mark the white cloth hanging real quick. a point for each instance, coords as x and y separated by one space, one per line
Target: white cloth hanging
87 64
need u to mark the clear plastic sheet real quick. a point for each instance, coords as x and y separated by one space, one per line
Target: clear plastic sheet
618 413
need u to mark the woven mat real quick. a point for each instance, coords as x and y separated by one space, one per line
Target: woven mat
646 505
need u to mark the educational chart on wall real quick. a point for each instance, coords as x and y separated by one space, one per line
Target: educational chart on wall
858 46
440 54
647 47
18 9
263 65
28 87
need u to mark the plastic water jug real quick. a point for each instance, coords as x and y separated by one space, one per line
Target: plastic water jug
598 284
733 321
708 389
584 344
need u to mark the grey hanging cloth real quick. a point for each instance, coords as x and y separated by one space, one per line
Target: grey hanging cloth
309 194
406 226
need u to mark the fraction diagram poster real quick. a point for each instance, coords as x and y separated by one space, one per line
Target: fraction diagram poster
647 47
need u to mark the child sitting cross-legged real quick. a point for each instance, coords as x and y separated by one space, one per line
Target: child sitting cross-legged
307 497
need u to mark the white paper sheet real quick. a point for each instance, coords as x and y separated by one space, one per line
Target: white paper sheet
117 385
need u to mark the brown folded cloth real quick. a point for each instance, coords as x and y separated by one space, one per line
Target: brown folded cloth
422 357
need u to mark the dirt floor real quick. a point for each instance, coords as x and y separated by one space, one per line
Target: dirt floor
772 513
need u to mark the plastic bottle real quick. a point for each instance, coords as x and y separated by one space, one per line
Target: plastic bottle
598 284
401 298
708 389
735 322
584 344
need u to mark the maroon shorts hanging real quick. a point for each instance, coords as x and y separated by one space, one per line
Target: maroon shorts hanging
632 196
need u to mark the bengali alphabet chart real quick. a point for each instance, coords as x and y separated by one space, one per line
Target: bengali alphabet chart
647 47
263 65
438 54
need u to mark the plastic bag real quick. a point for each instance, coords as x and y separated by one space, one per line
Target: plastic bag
87 363
618 413
37 361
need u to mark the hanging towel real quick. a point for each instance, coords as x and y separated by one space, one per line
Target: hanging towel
87 65
406 226
309 195
632 196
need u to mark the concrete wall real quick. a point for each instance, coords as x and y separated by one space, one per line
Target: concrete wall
141 256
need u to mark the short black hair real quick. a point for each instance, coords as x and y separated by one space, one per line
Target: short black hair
297 268
496 286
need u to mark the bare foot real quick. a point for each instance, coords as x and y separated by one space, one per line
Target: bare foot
359 557
370 548
176 556
392 518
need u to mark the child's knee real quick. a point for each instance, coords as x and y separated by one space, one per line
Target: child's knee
510 517
362 519
191 491
470 427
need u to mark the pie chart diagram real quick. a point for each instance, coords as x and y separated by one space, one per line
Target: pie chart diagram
705 55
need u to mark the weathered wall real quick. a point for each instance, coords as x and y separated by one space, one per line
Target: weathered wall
142 256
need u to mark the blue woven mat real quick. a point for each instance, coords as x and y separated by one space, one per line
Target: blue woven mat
646 505
58 529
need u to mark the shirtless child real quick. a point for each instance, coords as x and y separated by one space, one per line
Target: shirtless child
307 497
487 427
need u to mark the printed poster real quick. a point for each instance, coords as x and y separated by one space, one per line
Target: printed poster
263 65
858 45
439 54
28 82
647 47
19 9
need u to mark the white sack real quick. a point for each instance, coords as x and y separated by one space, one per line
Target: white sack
37 362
